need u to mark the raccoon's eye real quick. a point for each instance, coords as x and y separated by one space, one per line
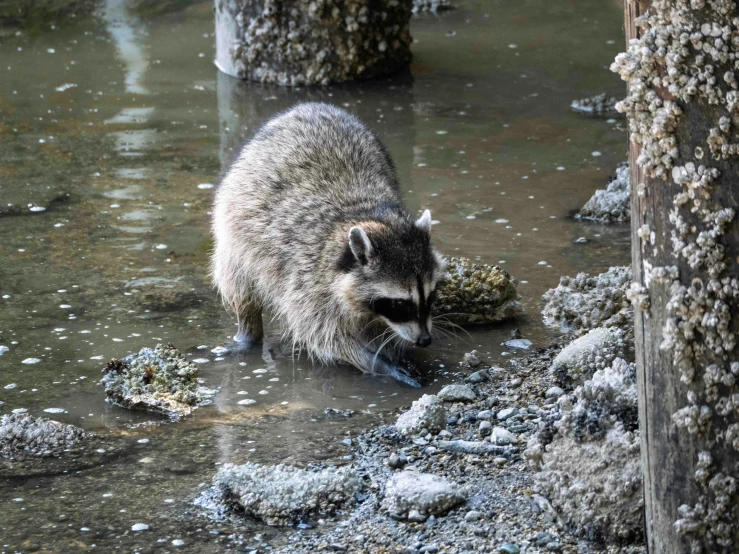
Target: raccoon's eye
395 309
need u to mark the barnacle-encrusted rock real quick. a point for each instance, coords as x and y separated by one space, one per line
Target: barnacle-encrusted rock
600 104
588 460
612 204
473 293
281 494
158 380
22 435
415 496
595 350
427 412
432 6
294 42
586 302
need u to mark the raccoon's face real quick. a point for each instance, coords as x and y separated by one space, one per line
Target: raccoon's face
393 273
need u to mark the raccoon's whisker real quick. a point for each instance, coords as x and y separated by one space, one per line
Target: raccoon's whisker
381 347
445 315
370 323
455 326
443 333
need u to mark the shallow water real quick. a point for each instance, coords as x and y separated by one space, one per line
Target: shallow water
118 127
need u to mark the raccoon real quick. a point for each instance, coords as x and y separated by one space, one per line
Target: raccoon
309 224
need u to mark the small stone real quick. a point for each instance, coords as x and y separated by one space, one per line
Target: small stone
478 376
139 527
457 393
509 548
500 461
444 434
506 413
554 392
338 547
501 436
472 515
471 359
554 546
485 428
485 414
520 344
430 548
515 383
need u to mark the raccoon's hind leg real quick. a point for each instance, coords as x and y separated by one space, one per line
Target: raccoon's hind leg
249 316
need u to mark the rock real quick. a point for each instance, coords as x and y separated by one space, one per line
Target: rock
485 415
281 494
509 548
554 392
588 462
472 515
457 393
485 428
159 380
471 359
515 383
595 350
473 447
501 436
419 495
506 413
23 436
432 6
612 204
396 461
473 293
427 412
600 104
139 527
586 302
479 376
520 344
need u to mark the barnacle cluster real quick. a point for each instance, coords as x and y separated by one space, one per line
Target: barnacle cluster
586 302
601 104
587 457
684 62
281 494
473 293
297 43
612 204
22 435
594 351
157 380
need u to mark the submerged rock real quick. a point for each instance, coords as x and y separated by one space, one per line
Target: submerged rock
427 412
586 302
612 204
432 6
588 459
600 104
158 380
22 435
595 350
415 496
281 494
473 293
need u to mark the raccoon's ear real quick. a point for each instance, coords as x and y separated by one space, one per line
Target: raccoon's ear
360 245
424 222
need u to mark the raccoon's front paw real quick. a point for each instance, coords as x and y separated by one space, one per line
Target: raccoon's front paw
242 343
396 371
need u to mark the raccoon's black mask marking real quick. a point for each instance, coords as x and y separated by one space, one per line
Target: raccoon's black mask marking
395 309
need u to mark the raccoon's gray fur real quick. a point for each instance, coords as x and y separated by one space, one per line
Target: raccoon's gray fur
309 224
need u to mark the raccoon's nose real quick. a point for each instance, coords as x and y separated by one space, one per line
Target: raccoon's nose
423 340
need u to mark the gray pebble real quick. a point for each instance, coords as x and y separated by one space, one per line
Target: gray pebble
507 413
485 428
485 414
554 392
509 548
472 515
515 383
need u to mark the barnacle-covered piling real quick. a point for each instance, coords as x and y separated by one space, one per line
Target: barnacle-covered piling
156 379
682 102
295 42
472 293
